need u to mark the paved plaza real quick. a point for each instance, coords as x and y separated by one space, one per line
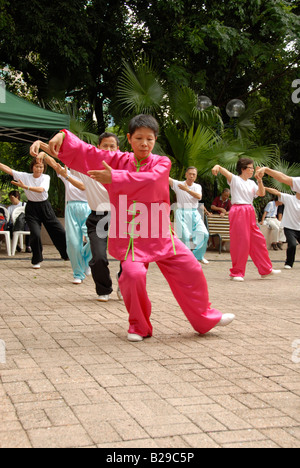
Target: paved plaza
71 379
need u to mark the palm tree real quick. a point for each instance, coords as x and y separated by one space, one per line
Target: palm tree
188 135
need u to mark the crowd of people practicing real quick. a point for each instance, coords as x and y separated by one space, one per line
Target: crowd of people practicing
120 201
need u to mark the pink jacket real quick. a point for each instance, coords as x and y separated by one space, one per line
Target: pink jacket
139 197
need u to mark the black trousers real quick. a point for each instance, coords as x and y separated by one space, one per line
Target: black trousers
98 233
292 238
38 213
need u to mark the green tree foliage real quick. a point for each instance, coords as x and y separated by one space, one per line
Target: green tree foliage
225 49
188 135
67 49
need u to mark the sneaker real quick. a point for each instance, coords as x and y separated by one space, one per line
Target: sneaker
273 272
77 281
37 266
239 279
119 294
104 298
88 272
134 338
226 320
288 267
204 261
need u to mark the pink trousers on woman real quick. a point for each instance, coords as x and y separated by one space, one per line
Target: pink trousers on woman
188 284
247 239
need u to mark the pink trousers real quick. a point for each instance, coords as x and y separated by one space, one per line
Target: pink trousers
247 239
187 282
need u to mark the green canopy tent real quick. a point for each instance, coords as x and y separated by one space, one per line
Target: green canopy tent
21 120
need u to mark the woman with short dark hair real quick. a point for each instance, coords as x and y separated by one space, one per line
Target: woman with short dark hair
245 236
39 210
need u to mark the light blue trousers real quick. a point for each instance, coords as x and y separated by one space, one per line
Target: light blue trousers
79 254
190 227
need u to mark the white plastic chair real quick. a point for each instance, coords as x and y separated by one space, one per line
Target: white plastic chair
6 234
18 235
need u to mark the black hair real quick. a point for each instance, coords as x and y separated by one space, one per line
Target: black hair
15 193
243 163
34 162
191 168
108 135
143 121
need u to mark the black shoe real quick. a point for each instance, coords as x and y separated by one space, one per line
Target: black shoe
279 245
275 247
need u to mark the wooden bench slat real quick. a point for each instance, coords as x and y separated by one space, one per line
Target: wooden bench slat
219 227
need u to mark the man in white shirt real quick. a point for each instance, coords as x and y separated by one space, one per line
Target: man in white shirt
270 219
189 224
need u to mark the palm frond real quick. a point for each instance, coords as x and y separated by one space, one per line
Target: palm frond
139 90
292 170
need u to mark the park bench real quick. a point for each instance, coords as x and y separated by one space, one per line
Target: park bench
219 227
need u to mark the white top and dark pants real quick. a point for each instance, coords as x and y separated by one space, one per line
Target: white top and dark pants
39 211
98 226
291 224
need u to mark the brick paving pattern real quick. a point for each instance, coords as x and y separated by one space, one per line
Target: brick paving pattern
71 379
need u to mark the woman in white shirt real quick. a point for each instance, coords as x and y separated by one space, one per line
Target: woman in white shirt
76 213
245 236
39 210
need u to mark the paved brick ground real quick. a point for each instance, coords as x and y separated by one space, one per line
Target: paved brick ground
71 379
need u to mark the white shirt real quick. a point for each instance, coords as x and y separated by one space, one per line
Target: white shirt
184 199
12 208
30 181
271 209
243 191
291 215
97 195
296 184
73 193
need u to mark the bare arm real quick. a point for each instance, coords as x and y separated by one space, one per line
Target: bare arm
30 189
263 218
273 191
261 189
6 169
221 170
171 182
284 179
52 149
216 208
63 172
185 188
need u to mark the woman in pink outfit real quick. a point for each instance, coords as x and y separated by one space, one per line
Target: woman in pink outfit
245 236
140 232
